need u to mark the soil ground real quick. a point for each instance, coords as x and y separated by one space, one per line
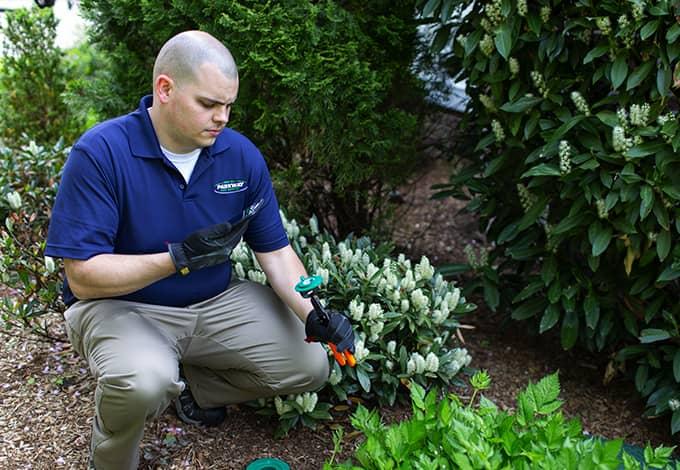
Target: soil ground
47 394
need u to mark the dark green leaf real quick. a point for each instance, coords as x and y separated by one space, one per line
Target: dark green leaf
609 118
619 71
550 317
596 52
668 274
592 308
671 35
649 29
528 309
675 422
663 244
652 335
645 149
599 236
663 80
676 365
543 169
646 201
570 222
491 294
503 41
522 104
639 75
569 330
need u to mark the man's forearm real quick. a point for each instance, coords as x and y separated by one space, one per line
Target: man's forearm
111 275
283 269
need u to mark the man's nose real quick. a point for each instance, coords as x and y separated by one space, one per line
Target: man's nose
222 114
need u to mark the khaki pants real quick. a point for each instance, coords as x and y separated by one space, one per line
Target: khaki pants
240 345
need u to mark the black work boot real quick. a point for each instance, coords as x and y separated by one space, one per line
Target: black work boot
189 411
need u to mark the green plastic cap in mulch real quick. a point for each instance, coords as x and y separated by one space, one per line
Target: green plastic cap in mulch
268 464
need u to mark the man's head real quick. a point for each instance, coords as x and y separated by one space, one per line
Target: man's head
195 82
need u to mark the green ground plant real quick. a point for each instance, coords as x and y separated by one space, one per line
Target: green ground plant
405 316
326 90
445 433
33 79
574 170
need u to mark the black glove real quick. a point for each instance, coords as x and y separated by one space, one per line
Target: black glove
335 329
210 246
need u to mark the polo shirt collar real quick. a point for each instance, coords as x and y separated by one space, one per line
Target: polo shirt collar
143 139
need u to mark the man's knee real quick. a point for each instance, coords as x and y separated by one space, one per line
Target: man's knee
316 368
135 396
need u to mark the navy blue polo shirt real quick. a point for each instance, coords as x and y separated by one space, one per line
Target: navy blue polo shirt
120 194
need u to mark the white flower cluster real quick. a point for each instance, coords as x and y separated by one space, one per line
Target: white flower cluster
545 13
335 377
487 101
639 114
360 350
50 266
291 227
486 25
307 401
627 35
417 364
493 11
604 24
498 131
674 404
443 308
580 102
602 211
13 199
314 225
459 359
539 82
423 270
514 66
564 151
662 119
420 301
487 45
620 142
257 276
281 407
461 39
526 199
638 10
476 262
522 8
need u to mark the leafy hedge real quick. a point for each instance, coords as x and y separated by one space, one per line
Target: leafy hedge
575 171
33 80
326 90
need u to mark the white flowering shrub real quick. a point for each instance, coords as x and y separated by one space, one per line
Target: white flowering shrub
27 188
573 168
405 316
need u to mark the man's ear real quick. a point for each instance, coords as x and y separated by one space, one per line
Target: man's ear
164 87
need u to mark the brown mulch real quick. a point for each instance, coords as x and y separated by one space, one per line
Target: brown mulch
46 392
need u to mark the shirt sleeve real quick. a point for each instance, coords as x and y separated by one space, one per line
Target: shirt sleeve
265 232
85 216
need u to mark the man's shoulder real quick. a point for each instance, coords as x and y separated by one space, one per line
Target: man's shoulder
109 130
234 140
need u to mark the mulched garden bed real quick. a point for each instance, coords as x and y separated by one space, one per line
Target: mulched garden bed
47 393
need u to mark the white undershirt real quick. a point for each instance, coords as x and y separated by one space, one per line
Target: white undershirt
184 162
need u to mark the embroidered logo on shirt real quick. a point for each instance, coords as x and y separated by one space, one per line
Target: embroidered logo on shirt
230 186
